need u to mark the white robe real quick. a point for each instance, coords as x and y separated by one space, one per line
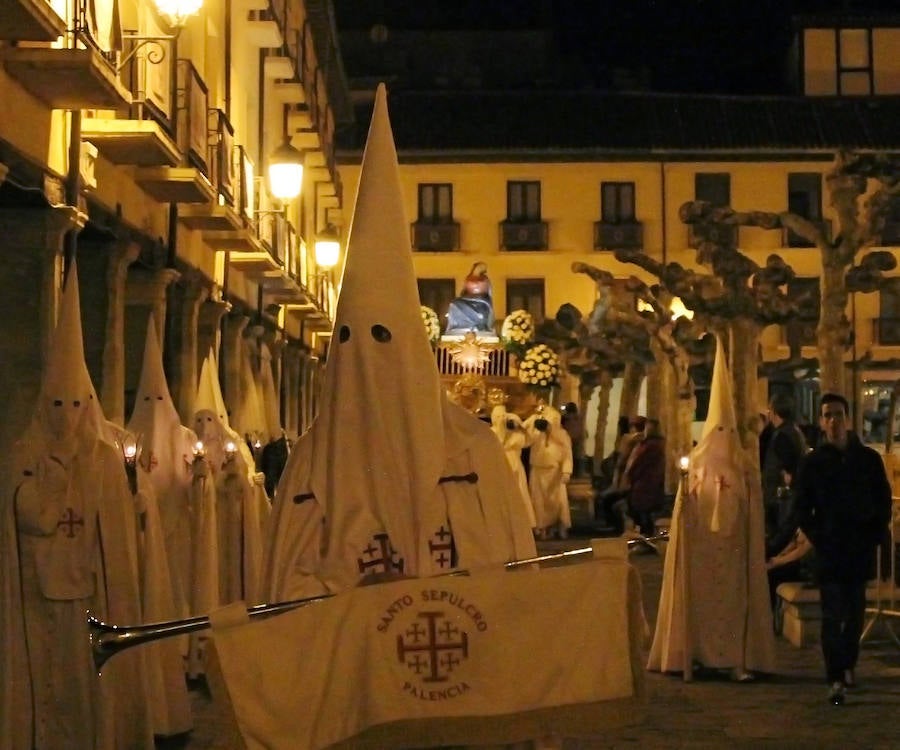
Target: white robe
73 549
551 466
514 440
714 607
483 523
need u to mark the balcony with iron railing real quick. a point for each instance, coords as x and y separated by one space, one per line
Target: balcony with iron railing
79 74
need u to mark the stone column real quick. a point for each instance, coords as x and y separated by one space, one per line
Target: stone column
276 347
145 288
32 251
182 330
232 345
145 295
290 392
112 393
208 332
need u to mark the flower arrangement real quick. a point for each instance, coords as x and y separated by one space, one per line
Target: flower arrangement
517 331
432 324
539 368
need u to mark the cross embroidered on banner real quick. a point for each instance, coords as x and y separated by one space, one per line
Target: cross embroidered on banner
437 649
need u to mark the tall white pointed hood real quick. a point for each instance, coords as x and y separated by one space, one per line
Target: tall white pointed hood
210 416
248 419
379 443
269 394
153 410
717 463
67 393
165 443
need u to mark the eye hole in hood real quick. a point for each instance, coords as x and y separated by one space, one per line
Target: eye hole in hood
381 334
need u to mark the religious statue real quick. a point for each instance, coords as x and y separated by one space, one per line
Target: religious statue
473 309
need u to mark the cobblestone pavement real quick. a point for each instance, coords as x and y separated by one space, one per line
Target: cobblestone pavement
786 710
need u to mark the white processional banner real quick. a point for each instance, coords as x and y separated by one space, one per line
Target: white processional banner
493 657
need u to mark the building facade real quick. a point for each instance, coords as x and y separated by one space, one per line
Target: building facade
136 138
531 180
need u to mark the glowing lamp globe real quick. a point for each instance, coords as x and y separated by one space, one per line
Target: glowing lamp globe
328 248
286 172
176 12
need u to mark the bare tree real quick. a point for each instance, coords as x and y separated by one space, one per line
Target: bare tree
861 189
736 301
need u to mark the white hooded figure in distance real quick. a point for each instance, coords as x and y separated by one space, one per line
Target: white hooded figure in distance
163 478
551 469
69 546
391 478
241 506
511 433
714 609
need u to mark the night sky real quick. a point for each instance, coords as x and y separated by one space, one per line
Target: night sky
724 46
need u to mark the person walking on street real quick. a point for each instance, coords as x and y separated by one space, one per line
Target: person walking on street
843 506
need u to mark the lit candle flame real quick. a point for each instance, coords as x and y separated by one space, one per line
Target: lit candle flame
198 448
230 447
684 463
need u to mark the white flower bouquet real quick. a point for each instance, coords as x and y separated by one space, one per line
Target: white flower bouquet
517 331
432 324
539 368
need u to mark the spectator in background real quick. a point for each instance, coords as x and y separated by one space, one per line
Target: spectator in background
573 423
645 475
843 506
784 449
611 500
605 470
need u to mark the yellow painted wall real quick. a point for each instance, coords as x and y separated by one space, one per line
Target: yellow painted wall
570 197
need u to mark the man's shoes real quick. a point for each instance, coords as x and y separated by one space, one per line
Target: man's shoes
849 678
837 693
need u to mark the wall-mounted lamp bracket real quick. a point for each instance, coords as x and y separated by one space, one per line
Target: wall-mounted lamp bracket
156 50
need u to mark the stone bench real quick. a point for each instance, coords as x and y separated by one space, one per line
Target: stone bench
801 615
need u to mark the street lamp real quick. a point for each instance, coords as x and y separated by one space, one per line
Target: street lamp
176 14
286 172
328 247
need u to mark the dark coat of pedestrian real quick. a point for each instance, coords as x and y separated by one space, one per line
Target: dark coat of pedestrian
843 506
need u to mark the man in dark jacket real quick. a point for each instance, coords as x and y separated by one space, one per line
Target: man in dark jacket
843 505
784 449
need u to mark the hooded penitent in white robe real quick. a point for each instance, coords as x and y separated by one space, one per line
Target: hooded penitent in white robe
391 478
69 545
241 505
165 459
248 418
551 467
714 608
163 474
512 435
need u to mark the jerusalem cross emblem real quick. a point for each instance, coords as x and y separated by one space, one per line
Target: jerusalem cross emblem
70 522
379 556
442 548
432 647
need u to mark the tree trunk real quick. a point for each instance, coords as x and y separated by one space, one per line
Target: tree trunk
832 331
681 407
602 418
745 335
631 388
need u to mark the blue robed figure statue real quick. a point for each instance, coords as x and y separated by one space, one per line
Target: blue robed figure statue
473 310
